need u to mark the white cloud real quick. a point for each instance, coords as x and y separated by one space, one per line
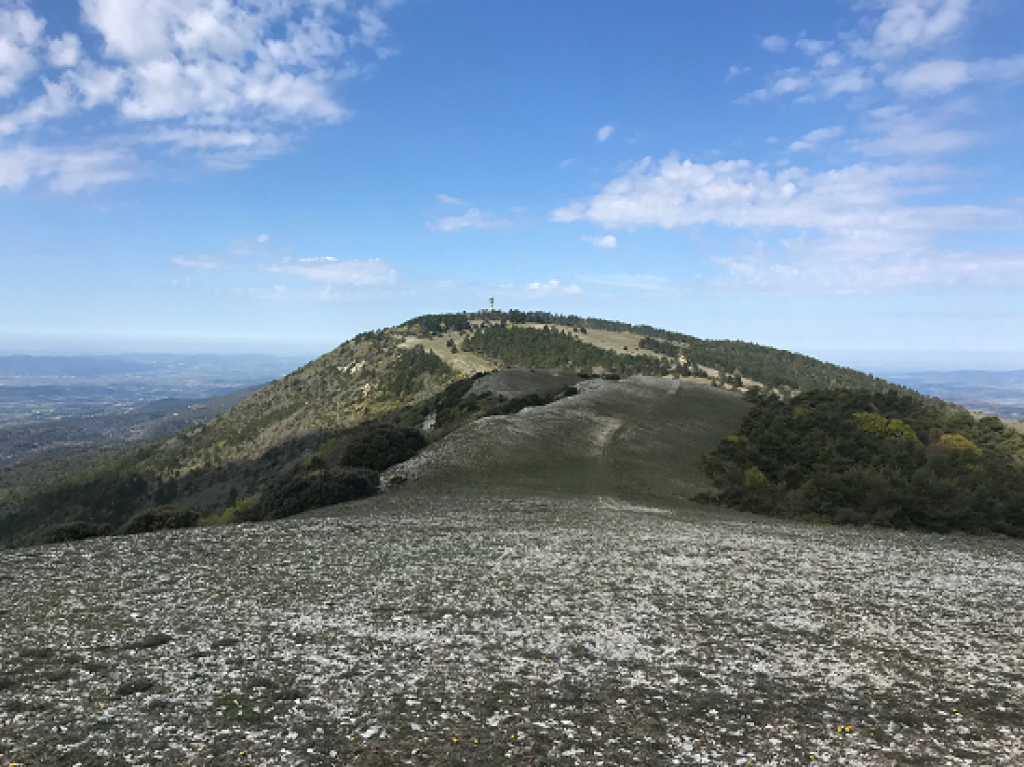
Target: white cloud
946 75
930 78
783 84
815 138
909 24
904 26
65 51
673 194
736 71
605 133
68 169
775 44
337 272
813 47
20 35
448 200
809 270
222 149
830 60
230 80
899 131
553 286
262 238
607 241
200 263
471 219
56 101
840 230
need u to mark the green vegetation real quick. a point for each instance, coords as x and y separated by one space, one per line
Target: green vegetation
668 348
303 491
303 472
857 457
411 371
775 368
152 520
556 349
380 449
377 399
438 323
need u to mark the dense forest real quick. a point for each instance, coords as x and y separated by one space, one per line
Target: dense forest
556 349
862 457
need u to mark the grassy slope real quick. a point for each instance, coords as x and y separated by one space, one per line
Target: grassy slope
340 389
637 439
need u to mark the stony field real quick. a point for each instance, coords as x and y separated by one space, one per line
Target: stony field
446 629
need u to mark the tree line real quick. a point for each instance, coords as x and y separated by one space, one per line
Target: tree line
879 458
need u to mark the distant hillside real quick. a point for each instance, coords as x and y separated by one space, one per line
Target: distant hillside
45 439
369 403
771 367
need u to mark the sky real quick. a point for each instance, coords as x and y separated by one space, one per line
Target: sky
843 178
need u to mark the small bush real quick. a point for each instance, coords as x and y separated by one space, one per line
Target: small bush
152 520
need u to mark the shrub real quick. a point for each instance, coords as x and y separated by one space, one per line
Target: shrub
70 531
302 492
384 447
152 520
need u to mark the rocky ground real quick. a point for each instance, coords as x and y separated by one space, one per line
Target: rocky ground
447 629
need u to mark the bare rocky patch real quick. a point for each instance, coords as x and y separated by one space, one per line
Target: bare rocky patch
457 629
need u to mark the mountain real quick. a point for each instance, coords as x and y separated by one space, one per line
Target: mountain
323 433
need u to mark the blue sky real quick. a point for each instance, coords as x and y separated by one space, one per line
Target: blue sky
840 177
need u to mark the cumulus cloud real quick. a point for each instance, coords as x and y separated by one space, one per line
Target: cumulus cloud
605 133
673 194
471 219
854 62
228 80
607 241
21 34
65 51
836 225
775 44
908 24
816 138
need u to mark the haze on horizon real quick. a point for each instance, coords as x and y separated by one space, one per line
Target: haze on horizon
841 179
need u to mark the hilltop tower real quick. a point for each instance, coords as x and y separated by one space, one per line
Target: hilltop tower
491 310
